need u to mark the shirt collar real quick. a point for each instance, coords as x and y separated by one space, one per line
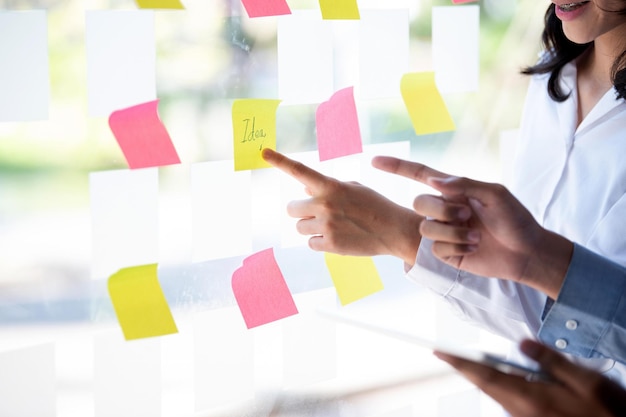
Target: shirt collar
568 110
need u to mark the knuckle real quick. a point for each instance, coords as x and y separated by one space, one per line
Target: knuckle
425 227
500 190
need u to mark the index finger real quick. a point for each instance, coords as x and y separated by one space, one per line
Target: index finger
307 176
412 170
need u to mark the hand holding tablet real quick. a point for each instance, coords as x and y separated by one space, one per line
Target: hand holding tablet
494 361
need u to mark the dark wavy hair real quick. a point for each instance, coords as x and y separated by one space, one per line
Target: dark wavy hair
560 51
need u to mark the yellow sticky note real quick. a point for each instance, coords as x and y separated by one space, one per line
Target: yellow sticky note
340 9
139 303
354 277
426 107
254 128
159 4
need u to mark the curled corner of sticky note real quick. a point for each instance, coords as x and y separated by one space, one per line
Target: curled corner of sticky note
261 291
142 136
139 303
354 277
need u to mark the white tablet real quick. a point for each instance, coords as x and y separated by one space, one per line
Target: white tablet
495 361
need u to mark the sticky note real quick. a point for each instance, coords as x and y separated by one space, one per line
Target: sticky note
142 136
159 4
24 79
222 219
425 105
337 122
463 1
391 186
254 128
121 59
455 48
261 291
310 342
28 381
261 8
139 303
125 219
339 9
305 58
127 376
383 52
223 358
354 277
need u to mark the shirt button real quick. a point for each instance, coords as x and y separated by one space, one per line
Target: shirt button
561 344
571 324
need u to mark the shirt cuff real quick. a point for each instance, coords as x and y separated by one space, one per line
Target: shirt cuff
587 303
432 272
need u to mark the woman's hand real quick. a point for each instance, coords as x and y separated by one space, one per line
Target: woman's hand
483 229
348 218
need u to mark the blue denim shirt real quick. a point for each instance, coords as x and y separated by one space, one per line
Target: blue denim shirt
588 318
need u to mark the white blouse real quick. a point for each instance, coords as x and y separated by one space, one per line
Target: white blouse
573 180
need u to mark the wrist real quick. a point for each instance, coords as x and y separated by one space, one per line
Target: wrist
405 243
548 263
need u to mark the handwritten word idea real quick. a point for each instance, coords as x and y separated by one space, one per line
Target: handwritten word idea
254 128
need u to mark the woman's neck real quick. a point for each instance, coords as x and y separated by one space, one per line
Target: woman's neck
593 78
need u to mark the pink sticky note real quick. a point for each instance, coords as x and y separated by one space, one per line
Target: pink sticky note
338 132
463 1
261 8
142 136
261 291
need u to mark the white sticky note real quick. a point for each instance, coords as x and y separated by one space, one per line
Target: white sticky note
121 59
177 371
221 211
266 208
24 80
455 43
125 224
224 359
310 341
384 52
398 189
127 376
305 58
175 228
27 382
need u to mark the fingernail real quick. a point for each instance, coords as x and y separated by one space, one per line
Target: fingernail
472 248
474 236
530 349
465 213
